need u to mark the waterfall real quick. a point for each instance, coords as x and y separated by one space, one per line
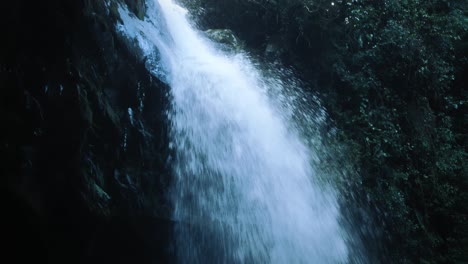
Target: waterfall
245 189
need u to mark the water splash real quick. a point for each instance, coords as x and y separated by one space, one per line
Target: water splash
245 190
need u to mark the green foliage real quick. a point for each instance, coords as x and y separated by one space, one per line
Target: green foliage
397 98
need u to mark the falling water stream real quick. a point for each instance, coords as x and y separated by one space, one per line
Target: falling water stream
245 189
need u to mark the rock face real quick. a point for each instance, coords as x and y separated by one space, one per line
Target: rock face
83 145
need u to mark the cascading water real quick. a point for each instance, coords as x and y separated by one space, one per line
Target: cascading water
244 190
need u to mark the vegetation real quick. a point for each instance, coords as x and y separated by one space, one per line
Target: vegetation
392 75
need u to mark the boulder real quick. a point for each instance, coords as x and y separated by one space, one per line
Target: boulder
225 37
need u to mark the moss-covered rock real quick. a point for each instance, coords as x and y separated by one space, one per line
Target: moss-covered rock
138 7
225 37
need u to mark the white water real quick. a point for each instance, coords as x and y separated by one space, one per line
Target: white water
245 190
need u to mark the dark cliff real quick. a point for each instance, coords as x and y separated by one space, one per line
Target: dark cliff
83 139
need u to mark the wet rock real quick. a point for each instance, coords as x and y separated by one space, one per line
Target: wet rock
114 11
85 107
98 200
225 37
138 7
274 48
